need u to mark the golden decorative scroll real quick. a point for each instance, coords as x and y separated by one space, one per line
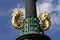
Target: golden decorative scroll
16 19
45 21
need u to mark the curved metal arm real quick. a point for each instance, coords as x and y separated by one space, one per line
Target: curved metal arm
16 19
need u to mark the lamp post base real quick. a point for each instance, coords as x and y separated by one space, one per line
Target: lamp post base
33 37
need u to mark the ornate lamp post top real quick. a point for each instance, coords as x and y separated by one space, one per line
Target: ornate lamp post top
31 24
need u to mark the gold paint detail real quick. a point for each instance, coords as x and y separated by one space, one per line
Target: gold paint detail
16 19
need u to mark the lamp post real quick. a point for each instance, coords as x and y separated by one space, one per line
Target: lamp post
32 29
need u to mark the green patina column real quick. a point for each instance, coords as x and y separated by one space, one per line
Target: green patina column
31 25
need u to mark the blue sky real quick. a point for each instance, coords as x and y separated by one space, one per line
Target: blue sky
7 32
